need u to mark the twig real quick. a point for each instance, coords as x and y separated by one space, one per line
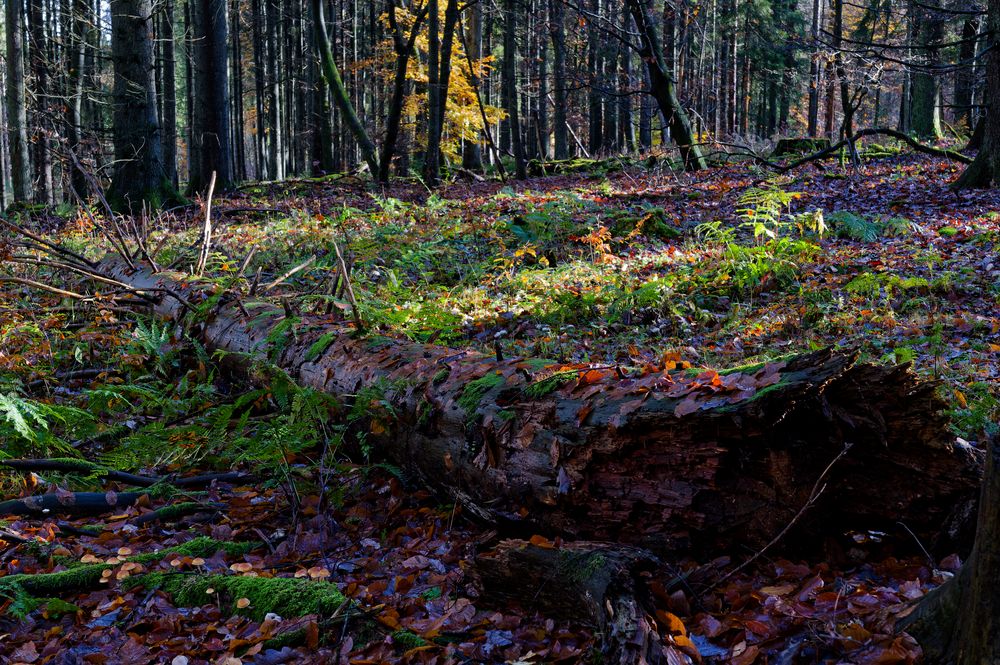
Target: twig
302 266
817 489
46 287
206 234
350 290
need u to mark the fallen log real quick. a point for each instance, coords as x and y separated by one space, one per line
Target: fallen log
667 460
82 466
75 503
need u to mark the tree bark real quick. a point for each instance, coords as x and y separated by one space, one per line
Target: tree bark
340 95
665 461
984 171
211 132
17 117
139 177
557 30
509 66
959 622
663 89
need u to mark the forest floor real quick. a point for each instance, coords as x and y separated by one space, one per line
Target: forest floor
629 268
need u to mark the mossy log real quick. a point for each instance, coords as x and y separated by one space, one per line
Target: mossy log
663 460
797 145
596 584
80 577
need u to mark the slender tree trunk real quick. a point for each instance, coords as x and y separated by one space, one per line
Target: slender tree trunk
965 77
44 186
925 109
139 176
557 30
340 95
595 143
276 155
17 117
404 48
259 71
814 72
510 85
169 94
472 150
662 84
74 106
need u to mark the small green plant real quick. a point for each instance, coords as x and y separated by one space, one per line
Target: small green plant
766 209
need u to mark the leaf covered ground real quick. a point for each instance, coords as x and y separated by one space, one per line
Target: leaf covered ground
339 558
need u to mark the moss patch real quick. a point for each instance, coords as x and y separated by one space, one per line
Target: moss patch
474 391
85 575
548 384
286 596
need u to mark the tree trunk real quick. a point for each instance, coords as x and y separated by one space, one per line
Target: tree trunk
472 150
169 95
925 94
44 186
340 95
404 49
17 117
211 102
139 174
959 622
965 76
663 90
985 170
667 461
557 30
74 106
510 86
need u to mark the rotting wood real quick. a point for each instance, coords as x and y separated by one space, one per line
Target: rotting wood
667 460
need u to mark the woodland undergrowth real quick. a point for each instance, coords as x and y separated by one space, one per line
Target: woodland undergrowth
636 268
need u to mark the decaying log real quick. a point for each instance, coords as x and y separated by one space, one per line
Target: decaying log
73 465
64 503
665 460
595 584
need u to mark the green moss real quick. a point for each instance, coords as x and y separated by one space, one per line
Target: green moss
474 392
285 596
86 575
441 375
948 231
774 387
407 640
542 388
55 607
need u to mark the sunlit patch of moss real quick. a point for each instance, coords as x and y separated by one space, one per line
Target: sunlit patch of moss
474 391
549 384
